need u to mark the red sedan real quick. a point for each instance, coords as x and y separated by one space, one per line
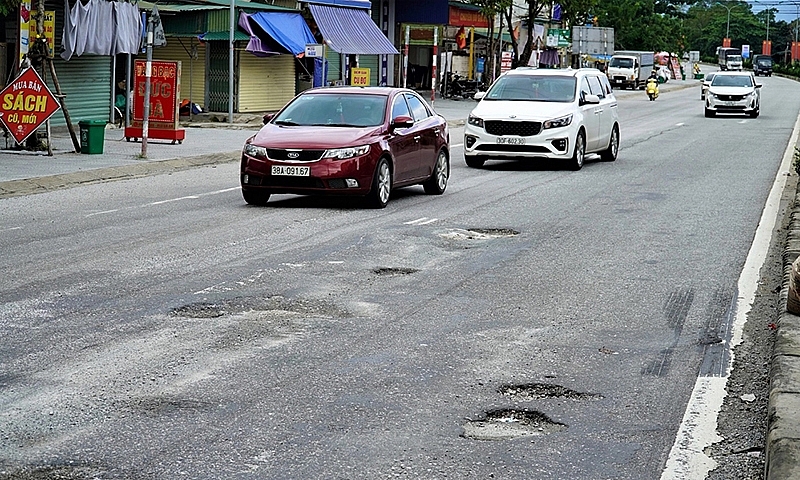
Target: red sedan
348 141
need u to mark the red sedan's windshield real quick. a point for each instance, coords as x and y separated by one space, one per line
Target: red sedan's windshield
334 110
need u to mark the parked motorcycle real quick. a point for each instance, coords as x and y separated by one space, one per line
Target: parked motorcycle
456 86
652 88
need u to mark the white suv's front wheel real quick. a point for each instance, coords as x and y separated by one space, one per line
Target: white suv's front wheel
579 154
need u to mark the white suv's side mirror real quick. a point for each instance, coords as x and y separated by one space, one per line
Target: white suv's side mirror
479 95
590 99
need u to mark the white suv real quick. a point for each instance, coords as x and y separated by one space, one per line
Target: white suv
544 113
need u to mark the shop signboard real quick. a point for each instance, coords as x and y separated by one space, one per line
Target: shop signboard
49 30
25 104
505 61
557 38
165 94
359 77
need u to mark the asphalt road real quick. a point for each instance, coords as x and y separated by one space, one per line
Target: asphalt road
531 323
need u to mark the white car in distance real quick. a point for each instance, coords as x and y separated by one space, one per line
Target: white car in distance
531 113
733 92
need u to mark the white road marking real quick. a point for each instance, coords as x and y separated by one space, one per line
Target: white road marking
742 121
426 222
680 124
336 262
101 213
456 145
11 228
687 460
188 197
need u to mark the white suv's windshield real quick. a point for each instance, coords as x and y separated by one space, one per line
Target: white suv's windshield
540 88
732 81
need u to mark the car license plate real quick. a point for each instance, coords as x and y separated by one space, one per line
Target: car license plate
291 170
730 104
511 140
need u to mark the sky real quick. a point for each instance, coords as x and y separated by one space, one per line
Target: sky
787 9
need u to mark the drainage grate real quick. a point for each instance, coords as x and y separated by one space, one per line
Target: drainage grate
544 390
394 271
507 424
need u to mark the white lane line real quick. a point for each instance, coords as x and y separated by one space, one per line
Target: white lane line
188 197
217 192
427 222
698 430
100 213
680 124
10 228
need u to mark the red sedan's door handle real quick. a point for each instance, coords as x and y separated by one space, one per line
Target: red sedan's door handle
416 139
436 131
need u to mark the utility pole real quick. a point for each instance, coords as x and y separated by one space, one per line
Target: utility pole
148 72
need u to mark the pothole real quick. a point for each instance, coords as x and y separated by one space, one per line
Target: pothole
53 472
274 303
544 390
479 233
394 271
163 405
507 424
199 310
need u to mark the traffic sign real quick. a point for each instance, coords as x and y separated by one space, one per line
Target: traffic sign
25 104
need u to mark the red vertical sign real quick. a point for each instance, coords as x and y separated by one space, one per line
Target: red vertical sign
165 97
766 47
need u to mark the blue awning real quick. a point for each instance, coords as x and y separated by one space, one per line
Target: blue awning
366 4
287 29
350 31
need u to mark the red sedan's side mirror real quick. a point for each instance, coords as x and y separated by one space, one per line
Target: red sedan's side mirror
267 117
402 121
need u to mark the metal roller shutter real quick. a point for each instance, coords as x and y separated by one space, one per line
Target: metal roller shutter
86 82
265 83
373 63
193 81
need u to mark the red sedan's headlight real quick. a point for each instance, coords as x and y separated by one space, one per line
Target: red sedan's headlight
255 151
343 153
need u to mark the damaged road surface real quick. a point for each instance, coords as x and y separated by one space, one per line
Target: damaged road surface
539 324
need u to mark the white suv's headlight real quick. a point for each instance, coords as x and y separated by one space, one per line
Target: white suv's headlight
475 121
349 152
255 151
558 122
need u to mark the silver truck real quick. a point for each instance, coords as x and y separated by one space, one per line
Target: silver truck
629 68
729 58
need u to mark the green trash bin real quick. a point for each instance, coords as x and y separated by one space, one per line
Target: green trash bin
92 136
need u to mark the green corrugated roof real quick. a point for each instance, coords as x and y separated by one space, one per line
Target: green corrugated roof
237 35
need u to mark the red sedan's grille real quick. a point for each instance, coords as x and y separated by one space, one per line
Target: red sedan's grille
523 129
294 155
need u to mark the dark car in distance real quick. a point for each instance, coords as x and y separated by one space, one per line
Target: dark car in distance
762 65
363 141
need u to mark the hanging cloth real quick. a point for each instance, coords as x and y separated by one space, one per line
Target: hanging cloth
100 27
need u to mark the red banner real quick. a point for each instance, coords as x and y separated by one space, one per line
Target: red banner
766 47
164 93
25 104
795 51
726 42
460 17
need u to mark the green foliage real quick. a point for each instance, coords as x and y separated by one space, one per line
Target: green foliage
9 6
796 160
654 25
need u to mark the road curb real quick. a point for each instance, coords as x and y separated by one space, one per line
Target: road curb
783 423
15 188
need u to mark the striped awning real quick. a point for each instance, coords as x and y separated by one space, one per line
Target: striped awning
350 31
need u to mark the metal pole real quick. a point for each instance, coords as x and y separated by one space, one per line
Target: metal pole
232 25
405 56
148 71
471 52
433 66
